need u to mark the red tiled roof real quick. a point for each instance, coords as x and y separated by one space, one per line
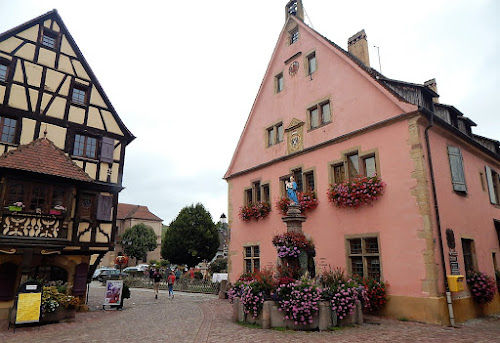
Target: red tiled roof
42 156
129 211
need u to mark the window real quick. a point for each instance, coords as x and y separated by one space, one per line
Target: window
311 63
294 35
85 146
354 165
252 259
248 196
468 251
86 206
457 169
266 195
320 115
36 197
364 257
256 191
279 82
309 178
3 71
79 95
8 129
297 174
493 182
49 39
275 134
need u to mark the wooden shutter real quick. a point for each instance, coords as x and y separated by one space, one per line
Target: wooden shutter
491 187
80 280
104 206
107 148
457 169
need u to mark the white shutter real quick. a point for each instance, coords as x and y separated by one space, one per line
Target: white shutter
491 188
457 169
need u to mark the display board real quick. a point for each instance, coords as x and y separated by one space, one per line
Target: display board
113 294
28 308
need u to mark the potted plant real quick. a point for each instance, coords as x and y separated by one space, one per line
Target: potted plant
16 207
57 306
57 210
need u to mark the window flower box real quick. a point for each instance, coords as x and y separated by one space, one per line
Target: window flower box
362 190
55 212
13 208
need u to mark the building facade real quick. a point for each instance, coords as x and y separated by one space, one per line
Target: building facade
324 116
63 148
127 216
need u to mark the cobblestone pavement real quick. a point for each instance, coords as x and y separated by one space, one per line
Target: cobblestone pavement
201 318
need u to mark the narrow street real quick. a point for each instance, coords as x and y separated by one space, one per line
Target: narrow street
204 318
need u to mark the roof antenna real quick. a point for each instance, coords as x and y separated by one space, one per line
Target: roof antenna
378 52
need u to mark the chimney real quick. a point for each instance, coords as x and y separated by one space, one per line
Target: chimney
432 84
295 8
358 46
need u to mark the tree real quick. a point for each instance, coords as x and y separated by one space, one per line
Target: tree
138 240
191 238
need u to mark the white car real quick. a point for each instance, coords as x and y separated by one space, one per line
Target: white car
132 270
143 267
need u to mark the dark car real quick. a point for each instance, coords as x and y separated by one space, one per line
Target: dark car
113 274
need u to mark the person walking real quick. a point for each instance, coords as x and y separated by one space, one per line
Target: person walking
170 283
156 282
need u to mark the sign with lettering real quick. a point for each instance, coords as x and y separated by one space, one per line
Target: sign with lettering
454 266
28 308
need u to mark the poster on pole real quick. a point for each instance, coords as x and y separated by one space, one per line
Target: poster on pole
113 294
28 308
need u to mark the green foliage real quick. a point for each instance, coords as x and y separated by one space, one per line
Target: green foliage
142 238
218 266
191 238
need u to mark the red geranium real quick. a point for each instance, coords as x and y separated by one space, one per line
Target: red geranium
360 191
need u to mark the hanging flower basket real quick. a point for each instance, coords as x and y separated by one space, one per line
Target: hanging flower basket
361 191
254 211
307 201
291 244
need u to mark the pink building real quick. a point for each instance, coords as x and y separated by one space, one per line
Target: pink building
323 115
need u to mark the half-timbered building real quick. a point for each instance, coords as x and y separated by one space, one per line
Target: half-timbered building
63 148
323 115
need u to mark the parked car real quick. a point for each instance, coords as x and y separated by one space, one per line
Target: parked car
143 267
98 271
113 274
134 271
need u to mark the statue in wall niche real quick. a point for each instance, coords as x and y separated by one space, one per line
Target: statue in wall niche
291 191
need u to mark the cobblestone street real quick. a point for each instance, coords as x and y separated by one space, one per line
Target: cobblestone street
204 318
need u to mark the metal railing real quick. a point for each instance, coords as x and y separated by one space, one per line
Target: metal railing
182 284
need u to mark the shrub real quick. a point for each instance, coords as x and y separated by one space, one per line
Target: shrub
299 300
218 266
481 286
307 201
360 191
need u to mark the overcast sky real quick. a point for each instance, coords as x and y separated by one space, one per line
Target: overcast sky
183 75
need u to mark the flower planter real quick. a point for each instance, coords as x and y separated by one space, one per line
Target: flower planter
15 208
56 212
61 313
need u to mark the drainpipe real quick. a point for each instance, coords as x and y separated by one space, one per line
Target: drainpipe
430 115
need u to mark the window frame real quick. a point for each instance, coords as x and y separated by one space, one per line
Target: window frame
273 134
254 257
15 130
5 63
364 255
469 254
84 149
344 165
311 57
294 35
52 35
319 107
279 83
80 88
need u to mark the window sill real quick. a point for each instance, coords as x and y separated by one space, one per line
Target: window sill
319 126
78 104
85 159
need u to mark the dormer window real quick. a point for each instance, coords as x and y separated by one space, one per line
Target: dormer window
294 35
49 38
79 94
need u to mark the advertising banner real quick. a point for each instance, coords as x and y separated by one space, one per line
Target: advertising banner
113 294
28 308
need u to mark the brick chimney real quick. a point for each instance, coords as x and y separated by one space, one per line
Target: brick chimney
432 84
295 8
358 46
